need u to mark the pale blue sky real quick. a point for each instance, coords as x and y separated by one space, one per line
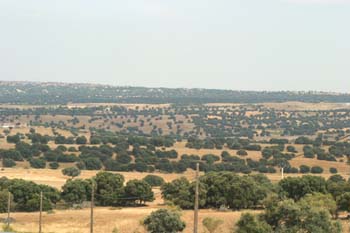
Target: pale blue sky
229 44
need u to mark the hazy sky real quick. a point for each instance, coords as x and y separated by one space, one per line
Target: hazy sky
230 44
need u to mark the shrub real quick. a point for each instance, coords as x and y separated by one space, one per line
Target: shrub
242 153
154 180
37 163
72 149
291 149
304 169
13 139
54 165
139 190
164 221
317 170
333 170
109 188
8 162
71 171
248 223
81 140
76 191
298 187
92 163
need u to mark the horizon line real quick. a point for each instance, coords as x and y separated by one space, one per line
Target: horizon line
163 87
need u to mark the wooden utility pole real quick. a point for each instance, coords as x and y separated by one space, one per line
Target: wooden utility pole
195 225
92 207
8 209
41 210
282 173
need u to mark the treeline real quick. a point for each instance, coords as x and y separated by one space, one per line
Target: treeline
301 204
208 121
61 93
109 191
148 154
229 190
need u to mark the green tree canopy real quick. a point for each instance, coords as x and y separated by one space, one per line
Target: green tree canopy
164 221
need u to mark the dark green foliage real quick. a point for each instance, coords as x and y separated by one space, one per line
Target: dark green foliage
71 171
4 200
26 194
309 152
54 165
92 163
236 192
67 158
337 186
297 187
109 188
8 162
164 221
343 202
242 153
63 140
28 151
38 138
72 149
76 191
288 216
51 156
278 141
181 193
141 167
154 180
217 189
138 190
333 170
304 169
291 149
317 170
303 140
171 154
252 147
11 154
210 158
61 148
37 163
123 158
13 138
95 140
81 140
248 223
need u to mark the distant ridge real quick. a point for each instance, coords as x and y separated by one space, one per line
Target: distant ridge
26 92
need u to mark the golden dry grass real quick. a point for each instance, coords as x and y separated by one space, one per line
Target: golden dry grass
56 179
126 220
181 149
300 106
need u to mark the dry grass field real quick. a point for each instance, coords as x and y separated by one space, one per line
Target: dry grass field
126 220
56 179
291 105
300 106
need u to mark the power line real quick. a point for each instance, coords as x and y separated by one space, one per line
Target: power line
8 210
195 225
41 209
92 207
